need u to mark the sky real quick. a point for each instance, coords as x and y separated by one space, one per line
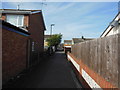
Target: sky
73 19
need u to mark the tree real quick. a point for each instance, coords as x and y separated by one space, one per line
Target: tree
54 40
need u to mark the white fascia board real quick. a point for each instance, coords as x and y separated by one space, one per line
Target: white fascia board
67 46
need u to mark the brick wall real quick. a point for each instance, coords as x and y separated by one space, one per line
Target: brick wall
3 17
0 57
14 54
36 28
26 20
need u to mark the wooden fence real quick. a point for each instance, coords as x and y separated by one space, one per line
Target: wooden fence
101 55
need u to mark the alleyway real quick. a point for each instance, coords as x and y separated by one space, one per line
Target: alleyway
54 72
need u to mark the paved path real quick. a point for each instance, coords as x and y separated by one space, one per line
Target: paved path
52 73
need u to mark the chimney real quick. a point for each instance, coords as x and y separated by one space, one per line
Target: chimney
18 7
82 37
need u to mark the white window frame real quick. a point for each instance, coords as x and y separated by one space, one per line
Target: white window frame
17 19
22 20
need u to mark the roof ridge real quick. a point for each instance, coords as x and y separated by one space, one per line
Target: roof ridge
22 9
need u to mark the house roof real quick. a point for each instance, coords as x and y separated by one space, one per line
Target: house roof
13 28
109 28
86 39
67 40
21 11
78 40
47 36
18 11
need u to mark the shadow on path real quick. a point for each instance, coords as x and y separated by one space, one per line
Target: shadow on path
55 72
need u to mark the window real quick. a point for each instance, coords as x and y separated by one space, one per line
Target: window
16 20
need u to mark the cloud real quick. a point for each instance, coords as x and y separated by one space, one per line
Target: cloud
61 0
88 19
74 19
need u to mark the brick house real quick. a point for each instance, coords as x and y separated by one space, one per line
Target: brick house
67 45
22 40
31 21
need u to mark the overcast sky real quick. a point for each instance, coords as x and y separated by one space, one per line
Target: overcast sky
73 19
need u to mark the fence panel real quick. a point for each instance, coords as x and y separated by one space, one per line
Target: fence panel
102 55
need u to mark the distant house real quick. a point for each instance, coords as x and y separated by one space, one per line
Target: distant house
67 45
32 22
78 40
45 38
113 28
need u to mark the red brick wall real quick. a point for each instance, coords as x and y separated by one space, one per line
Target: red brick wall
0 56
14 54
3 17
37 30
26 20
